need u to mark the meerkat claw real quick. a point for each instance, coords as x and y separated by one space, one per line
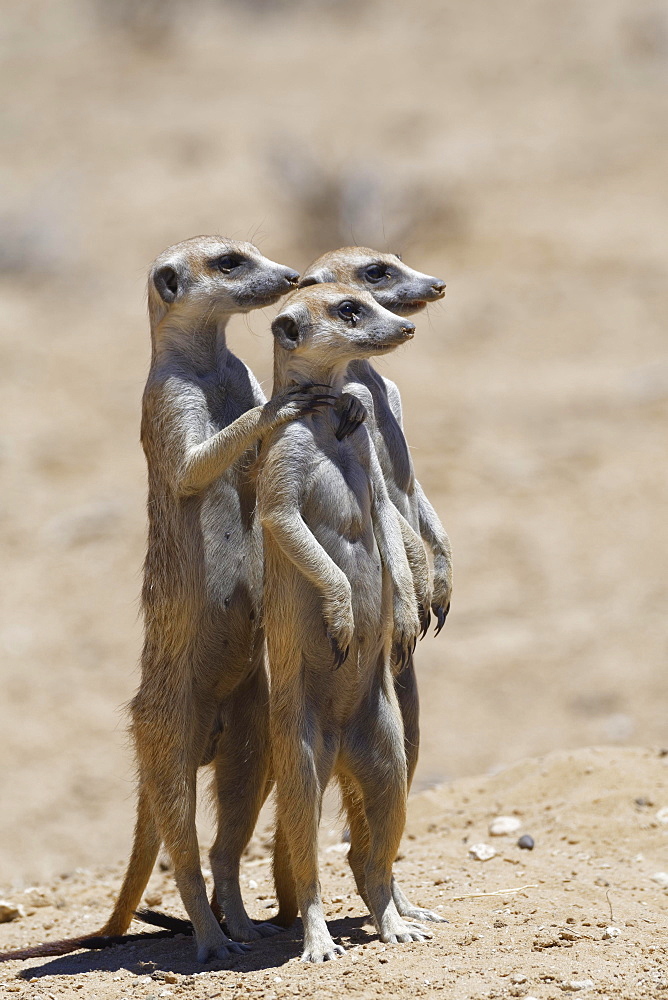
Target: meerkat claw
340 654
425 620
441 615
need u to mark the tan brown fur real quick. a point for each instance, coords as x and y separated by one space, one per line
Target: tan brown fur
403 291
338 594
203 695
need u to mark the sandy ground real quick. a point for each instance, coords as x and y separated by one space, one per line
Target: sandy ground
579 913
520 153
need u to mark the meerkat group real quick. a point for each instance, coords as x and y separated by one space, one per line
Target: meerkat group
294 524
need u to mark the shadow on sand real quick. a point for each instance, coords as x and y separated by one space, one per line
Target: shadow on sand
177 954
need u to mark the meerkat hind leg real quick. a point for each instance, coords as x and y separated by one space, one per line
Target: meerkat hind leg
241 783
284 883
170 781
405 686
303 764
353 804
382 781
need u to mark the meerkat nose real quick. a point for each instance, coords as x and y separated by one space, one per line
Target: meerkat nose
408 329
438 286
292 277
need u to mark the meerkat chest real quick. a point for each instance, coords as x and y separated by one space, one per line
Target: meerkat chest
337 497
227 398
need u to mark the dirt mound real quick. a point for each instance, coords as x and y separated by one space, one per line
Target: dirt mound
583 912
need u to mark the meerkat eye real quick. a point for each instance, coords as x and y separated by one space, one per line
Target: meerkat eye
374 273
349 311
229 261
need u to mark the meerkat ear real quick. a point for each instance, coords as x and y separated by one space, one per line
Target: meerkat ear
320 277
166 281
286 331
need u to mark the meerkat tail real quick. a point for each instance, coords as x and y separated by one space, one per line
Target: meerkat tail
176 925
94 942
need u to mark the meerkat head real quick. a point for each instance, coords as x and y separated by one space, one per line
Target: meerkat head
329 325
214 277
391 282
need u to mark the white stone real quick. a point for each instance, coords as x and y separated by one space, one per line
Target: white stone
611 932
482 852
662 815
10 911
573 985
661 878
501 826
252 884
517 978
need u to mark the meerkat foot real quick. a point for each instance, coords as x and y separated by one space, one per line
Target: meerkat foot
267 929
402 932
250 931
209 952
418 913
395 930
324 950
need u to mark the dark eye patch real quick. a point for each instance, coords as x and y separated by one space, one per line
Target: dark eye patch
375 273
228 262
349 311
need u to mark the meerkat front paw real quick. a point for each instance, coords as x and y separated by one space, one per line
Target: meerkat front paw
351 413
406 630
297 402
340 625
440 601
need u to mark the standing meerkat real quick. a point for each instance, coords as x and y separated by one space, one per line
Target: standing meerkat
203 695
403 291
338 593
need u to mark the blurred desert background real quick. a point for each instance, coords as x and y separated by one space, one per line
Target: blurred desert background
519 151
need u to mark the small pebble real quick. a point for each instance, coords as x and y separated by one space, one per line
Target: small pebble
9 911
662 815
611 932
501 826
661 878
482 852
517 978
526 842
573 985
252 884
